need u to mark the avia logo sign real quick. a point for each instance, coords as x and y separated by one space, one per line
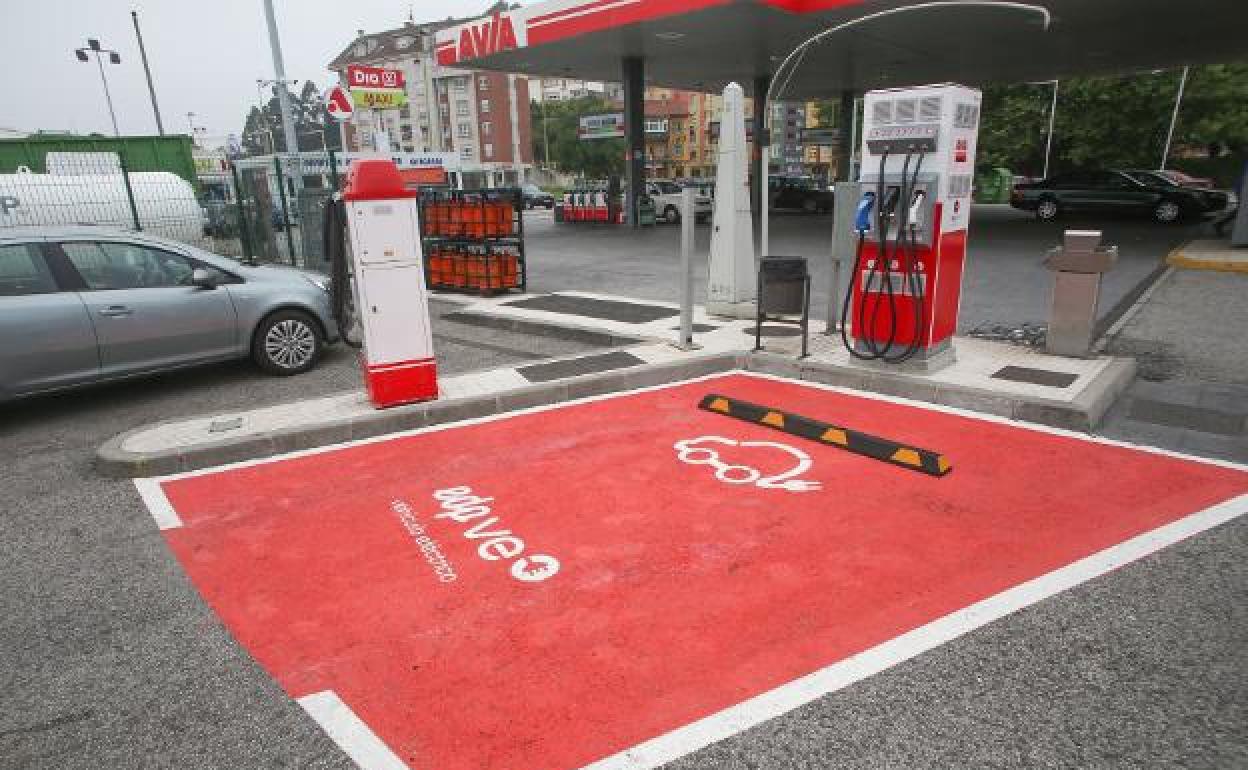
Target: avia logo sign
495 34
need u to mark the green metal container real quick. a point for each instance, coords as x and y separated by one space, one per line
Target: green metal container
142 153
992 185
645 212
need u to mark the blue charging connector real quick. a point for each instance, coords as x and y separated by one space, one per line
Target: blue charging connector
862 220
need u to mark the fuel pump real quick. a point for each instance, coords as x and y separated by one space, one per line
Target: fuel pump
372 239
911 224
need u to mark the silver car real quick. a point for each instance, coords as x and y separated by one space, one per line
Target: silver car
81 305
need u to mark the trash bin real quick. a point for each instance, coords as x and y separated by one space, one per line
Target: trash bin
1078 264
558 211
992 185
645 211
783 290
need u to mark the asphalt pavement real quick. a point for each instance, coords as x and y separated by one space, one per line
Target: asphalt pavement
109 658
1006 283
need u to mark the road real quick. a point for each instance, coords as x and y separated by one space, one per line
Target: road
111 659
1006 283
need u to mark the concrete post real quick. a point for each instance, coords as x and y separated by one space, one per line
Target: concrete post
632 72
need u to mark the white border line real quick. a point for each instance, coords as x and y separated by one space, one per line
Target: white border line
363 746
349 731
785 698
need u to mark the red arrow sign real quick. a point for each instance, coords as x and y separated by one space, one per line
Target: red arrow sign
338 103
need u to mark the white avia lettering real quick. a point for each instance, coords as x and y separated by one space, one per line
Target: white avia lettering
460 505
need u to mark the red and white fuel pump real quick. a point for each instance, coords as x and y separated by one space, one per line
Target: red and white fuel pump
918 162
385 270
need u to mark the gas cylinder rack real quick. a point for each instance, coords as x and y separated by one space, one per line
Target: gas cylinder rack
473 240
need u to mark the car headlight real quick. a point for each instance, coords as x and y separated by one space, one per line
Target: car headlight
321 282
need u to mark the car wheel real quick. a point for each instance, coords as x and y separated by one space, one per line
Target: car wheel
671 215
1167 212
1047 210
287 342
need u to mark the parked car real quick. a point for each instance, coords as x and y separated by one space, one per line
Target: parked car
82 304
666 196
1111 192
802 193
535 196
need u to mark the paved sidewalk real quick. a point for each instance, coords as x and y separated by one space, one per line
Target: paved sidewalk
1189 338
1002 379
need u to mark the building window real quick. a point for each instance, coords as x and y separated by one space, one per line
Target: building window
459 84
485 105
485 128
466 152
464 130
461 108
483 83
487 150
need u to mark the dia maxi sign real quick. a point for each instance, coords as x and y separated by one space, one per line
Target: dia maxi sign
375 89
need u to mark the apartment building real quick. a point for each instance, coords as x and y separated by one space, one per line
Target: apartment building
477 121
565 89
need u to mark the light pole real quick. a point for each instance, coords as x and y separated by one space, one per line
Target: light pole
147 70
1174 118
83 54
1048 140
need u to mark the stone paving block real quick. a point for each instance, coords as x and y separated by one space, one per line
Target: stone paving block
977 401
236 450
536 395
1054 414
462 409
308 435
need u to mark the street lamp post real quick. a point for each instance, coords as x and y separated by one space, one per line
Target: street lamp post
1174 118
1048 139
84 55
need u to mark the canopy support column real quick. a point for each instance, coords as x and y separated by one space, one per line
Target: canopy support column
845 123
632 71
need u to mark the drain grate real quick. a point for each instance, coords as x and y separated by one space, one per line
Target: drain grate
572 367
1045 377
603 309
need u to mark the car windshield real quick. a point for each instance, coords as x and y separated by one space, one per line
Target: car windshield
667 187
532 189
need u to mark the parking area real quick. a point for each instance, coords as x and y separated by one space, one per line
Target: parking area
431 600
1006 283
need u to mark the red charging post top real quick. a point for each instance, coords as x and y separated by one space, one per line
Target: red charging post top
371 179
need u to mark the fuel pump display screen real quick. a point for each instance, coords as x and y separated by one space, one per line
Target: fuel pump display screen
553 588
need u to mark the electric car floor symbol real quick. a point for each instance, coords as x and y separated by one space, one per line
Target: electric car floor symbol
688 451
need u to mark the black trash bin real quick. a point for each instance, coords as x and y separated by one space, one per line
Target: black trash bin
783 290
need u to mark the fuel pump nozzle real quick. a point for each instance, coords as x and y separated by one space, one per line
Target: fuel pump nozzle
862 219
915 217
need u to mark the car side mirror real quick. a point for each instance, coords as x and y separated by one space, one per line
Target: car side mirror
204 279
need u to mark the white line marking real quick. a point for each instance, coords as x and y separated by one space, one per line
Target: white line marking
157 503
572 14
799 692
350 733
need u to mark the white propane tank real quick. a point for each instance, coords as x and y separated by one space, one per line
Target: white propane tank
165 201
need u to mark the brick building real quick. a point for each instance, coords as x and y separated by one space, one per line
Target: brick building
477 121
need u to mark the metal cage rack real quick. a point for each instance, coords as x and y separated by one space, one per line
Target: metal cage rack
473 240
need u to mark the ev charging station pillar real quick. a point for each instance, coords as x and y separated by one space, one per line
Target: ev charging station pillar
632 74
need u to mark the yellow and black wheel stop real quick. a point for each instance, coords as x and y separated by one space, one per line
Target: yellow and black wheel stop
887 450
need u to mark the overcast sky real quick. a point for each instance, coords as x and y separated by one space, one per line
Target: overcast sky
205 56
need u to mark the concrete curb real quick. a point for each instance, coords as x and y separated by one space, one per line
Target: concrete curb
587 335
1083 414
115 461
1228 260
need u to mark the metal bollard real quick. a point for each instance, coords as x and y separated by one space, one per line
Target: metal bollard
687 216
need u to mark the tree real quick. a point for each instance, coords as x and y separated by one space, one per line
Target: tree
262 128
1115 121
592 157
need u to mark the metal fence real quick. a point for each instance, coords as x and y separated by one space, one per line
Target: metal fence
265 209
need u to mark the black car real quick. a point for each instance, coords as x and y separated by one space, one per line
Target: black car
534 196
1109 192
799 192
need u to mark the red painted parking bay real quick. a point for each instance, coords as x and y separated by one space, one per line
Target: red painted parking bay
549 589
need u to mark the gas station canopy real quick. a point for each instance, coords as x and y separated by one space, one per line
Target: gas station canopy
704 44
